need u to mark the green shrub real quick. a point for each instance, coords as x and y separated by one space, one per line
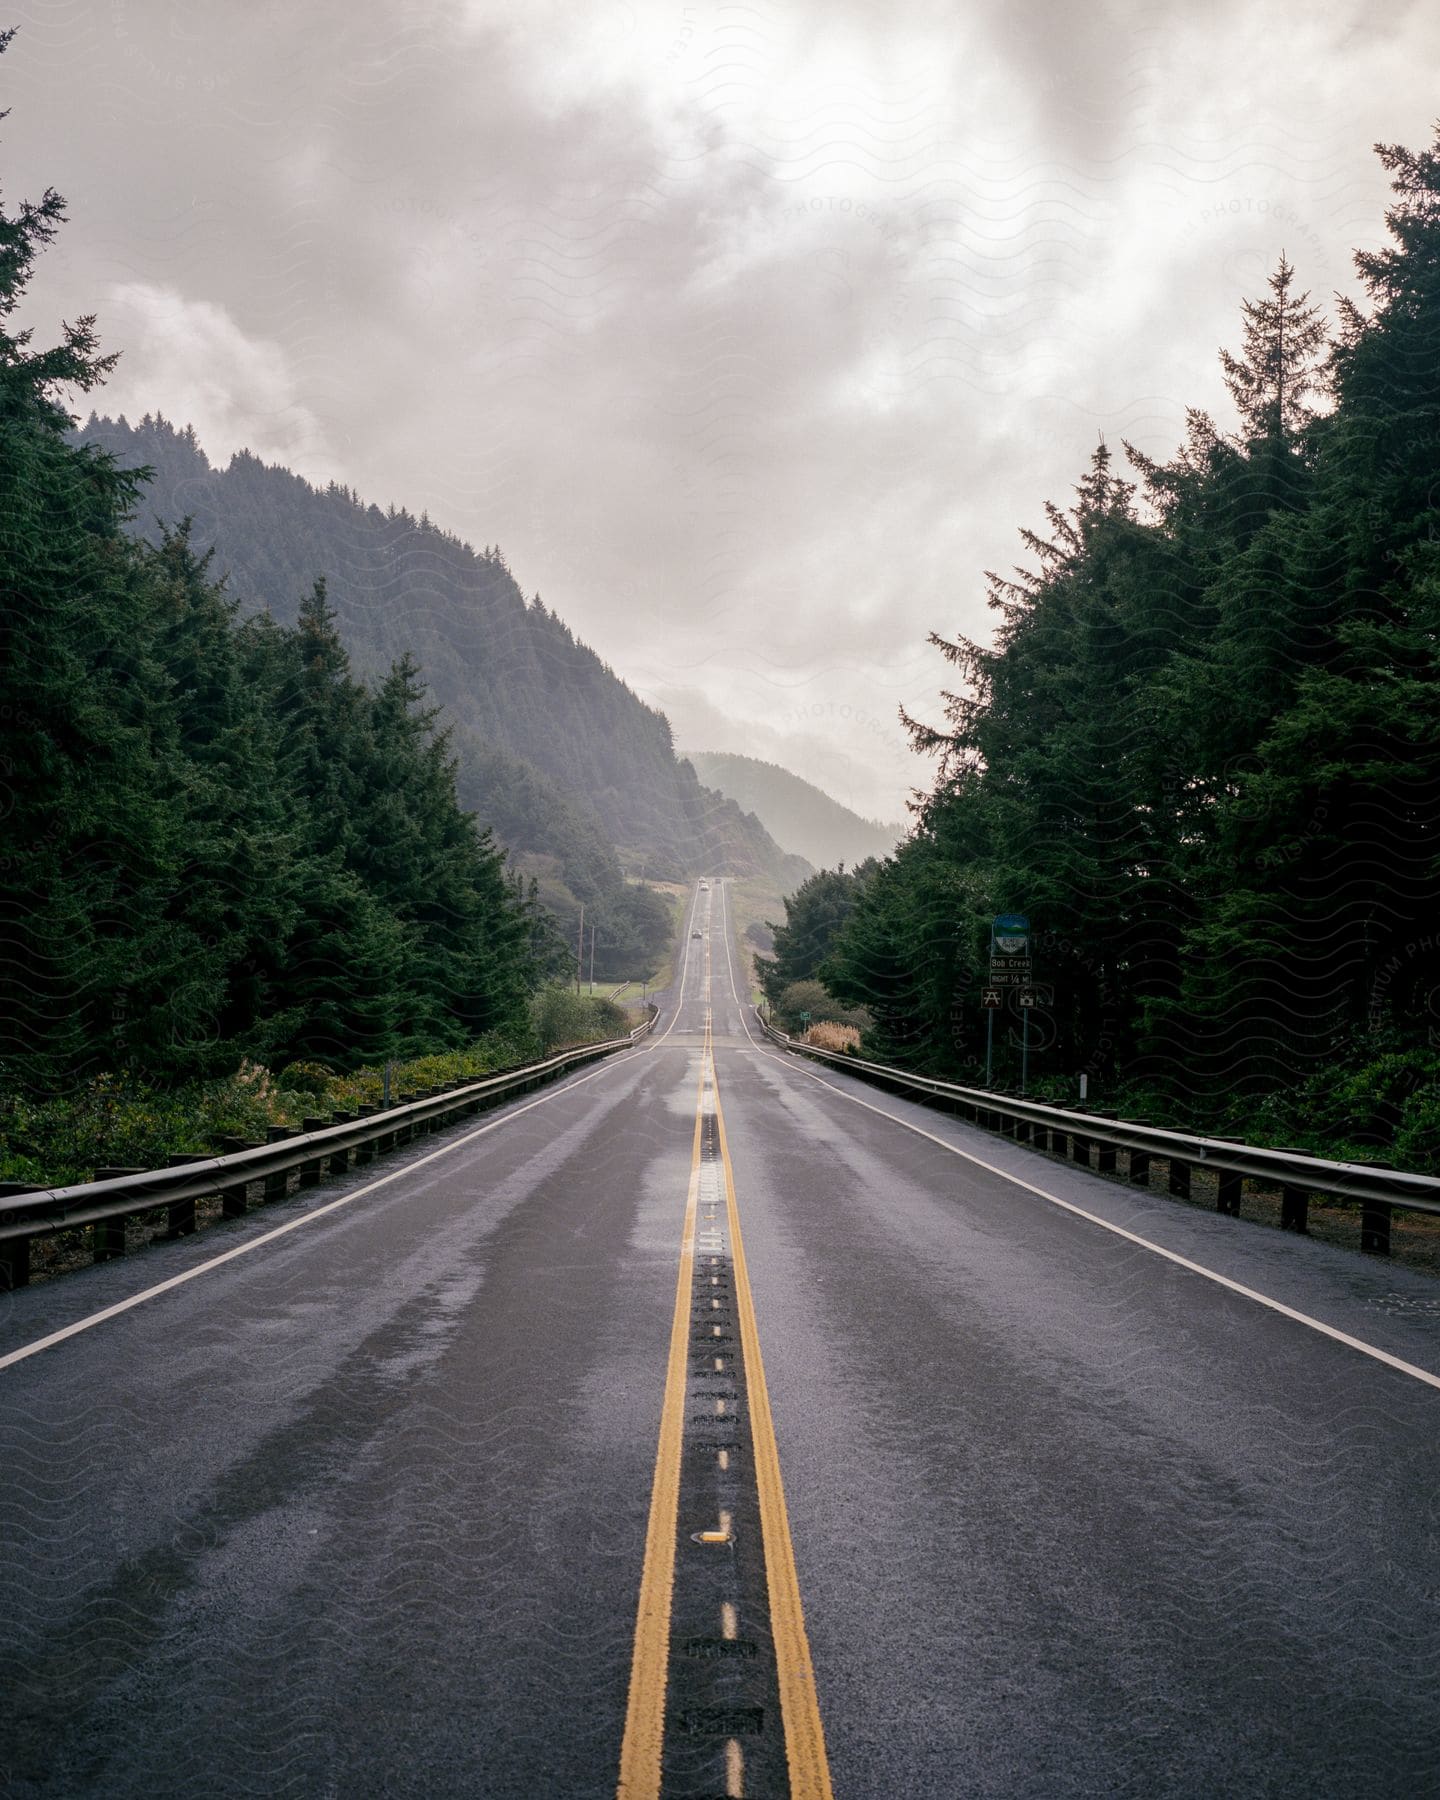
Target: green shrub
811 997
306 1078
563 1018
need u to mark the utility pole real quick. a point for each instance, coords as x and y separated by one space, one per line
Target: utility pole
592 959
580 951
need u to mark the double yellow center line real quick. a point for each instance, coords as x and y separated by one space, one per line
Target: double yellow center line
642 1748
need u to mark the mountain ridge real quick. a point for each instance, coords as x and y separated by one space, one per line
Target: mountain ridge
794 811
518 689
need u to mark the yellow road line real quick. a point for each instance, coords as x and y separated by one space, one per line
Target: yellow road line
799 1707
643 1743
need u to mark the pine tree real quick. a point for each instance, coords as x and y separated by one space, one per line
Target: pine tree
1273 377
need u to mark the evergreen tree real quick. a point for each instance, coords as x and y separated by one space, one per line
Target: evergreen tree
1274 375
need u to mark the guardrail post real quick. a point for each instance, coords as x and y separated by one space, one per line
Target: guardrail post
1375 1217
110 1233
15 1252
1080 1149
365 1153
1179 1183
278 1184
1228 1186
1105 1153
1139 1170
180 1214
342 1161
1294 1201
312 1173
234 1200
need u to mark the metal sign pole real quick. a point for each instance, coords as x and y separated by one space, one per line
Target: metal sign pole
1024 1047
989 1045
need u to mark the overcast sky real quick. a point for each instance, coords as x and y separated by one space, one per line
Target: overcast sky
751 332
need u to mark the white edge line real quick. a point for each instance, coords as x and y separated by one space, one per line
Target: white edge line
319 1212
1183 1262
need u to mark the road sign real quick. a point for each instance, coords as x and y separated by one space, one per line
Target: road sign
1010 974
991 997
1037 996
1010 935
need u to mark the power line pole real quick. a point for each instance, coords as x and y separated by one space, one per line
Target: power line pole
580 950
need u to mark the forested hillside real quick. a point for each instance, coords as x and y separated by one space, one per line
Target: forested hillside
1203 751
516 685
796 813
218 843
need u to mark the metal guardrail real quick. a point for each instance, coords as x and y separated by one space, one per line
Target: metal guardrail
27 1213
1377 1187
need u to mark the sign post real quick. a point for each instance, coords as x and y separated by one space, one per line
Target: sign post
1010 966
1024 1043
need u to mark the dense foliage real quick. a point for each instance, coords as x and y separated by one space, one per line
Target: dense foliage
814 916
130 1121
218 842
1203 752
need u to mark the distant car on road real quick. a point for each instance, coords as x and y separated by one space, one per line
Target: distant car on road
694 934
704 887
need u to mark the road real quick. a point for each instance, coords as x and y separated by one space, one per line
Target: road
710 1424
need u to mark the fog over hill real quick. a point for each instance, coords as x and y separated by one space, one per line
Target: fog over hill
798 814
571 768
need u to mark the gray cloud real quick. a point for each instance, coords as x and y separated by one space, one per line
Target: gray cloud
752 333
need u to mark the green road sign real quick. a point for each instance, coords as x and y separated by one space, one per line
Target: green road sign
1010 935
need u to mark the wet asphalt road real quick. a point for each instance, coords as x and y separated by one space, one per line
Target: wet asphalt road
363 1512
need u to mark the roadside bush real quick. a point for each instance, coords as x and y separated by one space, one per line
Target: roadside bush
122 1123
563 1018
811 997
305 1078
827 1035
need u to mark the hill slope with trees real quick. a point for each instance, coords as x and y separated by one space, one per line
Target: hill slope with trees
219 843
533 710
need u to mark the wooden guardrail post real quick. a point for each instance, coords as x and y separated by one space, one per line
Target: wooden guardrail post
365 1153
1139 1167
1228 1186
1105 1153
342 1161
234 1199
180 1214
1375 1217
110 1233
1179 1182
312 1173
15 1252
278 1184
1294 1201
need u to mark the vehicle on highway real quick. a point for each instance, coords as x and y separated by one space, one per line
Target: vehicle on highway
694 934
